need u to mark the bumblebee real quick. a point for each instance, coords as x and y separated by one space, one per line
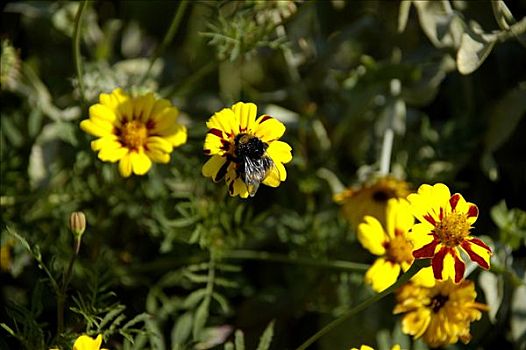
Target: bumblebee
253 164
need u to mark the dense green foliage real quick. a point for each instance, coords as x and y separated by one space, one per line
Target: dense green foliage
169 260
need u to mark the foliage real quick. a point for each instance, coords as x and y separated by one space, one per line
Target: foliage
426 91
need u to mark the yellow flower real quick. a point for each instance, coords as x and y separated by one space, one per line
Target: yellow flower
441 314
245 151
444 230
134 130
5 255
85 342
392 243
370 198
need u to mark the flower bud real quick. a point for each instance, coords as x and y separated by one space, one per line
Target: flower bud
77 223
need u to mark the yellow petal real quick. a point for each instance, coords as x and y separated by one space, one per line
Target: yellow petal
224 120
403 216
165 123
126 110
273 177
424 277
112 154
268 129
159 107
280 152
159 143
213 144
125 166
158 156
239 188
212 166
429 200
382 274
85 342
95 129
114 99
372 236
140 162
143 106
420 235
178 137
415 323
102 112
103 142
246 115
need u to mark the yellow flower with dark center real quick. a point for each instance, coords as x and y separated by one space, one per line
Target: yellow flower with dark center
245 151
444 230
134 131
370 198
393 244
441 314
85 342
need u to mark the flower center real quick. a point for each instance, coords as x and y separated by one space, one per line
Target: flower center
249 146
399 249
383 195
437 302
134 134
452 229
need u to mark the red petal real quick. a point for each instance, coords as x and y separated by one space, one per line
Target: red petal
438 263
453 201
460 267
430 219
427 251
466 245
473 211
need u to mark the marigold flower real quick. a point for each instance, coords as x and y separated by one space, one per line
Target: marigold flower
441 314
370 198
393 245
245 151
85 342
134 130
444 230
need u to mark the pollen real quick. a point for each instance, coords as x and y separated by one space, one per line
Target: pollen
134 134
453 229
399 249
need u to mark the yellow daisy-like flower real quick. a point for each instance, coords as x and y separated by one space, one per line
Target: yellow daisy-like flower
442 314
85 342
370 198
393 244
444 230
134 131
245 150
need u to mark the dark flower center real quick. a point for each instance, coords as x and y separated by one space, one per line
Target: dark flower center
249 146
437 302
383 195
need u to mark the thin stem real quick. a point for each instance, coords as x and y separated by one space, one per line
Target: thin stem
172 30
61 295
417 265
264 256
387 145
76 47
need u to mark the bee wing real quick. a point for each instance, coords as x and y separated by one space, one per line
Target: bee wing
255 172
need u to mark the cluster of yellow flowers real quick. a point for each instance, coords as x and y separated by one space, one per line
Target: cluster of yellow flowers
135 131
438 304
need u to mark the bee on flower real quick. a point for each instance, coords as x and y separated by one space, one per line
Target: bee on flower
134 131
444 231
245 151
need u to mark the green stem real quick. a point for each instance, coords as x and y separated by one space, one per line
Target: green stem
61 295
417 265
264 256
76 47
172 30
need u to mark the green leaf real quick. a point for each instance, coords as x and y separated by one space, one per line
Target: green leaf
440 23
266 338
182 328
194 298
201 316
239 339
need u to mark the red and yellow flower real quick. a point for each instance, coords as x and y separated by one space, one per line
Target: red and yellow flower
444 231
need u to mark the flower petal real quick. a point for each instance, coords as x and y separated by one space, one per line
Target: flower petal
125 166
426 251
280 152
158 156
159 143
178 137
112 153
273 178
215 167
246 116
225 121
372 236
268 129
447 264
415 323
477 251
143 106
85 342
424 277
102 112
430 202
382 274
140 162
96 129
